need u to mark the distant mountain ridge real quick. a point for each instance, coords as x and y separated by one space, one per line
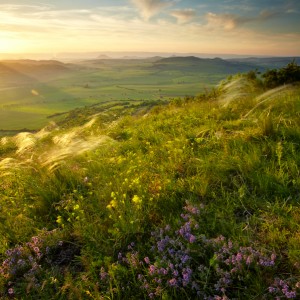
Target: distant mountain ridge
24 71
267 62
209 65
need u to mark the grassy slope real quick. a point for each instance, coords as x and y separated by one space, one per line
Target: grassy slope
232 154
32 90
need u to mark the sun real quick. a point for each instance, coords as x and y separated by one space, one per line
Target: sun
10 45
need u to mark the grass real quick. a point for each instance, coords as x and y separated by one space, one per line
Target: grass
197 197
91 83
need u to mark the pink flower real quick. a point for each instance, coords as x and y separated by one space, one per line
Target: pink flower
11 291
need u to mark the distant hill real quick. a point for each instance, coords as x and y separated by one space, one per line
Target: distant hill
209 65
103 56
26 70
266 62
29 66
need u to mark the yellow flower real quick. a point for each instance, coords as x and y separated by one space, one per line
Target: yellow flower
113 203
136 199
59 220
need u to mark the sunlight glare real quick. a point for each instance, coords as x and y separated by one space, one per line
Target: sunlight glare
10 45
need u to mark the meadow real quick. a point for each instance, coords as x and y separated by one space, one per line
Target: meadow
192 198
31 91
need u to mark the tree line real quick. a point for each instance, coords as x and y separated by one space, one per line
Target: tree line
276 77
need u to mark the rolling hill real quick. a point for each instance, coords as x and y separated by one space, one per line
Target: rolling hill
32 91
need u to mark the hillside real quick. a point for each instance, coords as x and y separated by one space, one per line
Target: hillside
194 198
20 72
31 91
266 62
208 65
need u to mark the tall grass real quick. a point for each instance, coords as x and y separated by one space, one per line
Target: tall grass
190 199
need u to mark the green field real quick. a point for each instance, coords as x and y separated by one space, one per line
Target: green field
31 91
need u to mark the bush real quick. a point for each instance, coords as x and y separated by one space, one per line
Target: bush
286 75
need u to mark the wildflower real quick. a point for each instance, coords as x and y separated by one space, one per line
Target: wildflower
192 239
36 249
35 239
136 200
173 282
140 277
249 260
147 260
152 269
11 291
103 274
290 295
120 256
239 257
113 203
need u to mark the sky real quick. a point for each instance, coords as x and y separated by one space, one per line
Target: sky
254 27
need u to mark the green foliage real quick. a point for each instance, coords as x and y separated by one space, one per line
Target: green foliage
285 75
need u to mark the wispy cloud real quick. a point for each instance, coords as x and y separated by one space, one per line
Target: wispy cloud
232 21
47 28
149 8
225 21
183 16
24 7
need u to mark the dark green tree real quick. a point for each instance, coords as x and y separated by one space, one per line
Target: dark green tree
289 74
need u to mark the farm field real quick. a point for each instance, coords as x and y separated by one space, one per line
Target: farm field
32 91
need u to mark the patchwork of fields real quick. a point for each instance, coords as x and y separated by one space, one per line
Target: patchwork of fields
31 91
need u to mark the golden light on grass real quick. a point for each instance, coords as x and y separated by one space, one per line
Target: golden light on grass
35 93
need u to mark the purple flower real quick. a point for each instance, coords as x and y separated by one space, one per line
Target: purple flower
103 274
249 260
290 295
140 277
167 228
186 276
173 282
185 258
152 269
239 257
192 239
147 260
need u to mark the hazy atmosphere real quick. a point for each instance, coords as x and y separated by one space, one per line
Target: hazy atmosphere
227 26
149 149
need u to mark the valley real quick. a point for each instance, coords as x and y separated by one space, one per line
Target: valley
33 91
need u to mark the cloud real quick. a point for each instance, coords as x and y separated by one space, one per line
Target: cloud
149 8
232 21
183 16
24 9
225 21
